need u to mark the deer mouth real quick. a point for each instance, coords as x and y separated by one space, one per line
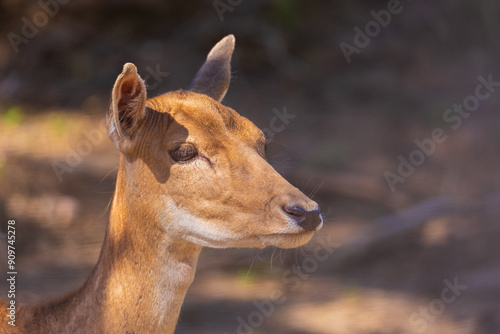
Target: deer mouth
287 240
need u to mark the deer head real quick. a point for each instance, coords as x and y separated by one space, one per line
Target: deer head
196 170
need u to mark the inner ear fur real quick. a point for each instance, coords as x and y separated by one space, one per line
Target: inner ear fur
127 110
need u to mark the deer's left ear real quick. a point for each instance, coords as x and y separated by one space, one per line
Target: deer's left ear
214 75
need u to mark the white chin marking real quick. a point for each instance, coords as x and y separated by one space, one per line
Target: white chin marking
199 231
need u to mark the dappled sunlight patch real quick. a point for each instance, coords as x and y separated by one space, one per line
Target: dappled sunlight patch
53 211
220 286
367 311
437 231
49 135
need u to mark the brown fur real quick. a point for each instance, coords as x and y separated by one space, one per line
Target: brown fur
164 212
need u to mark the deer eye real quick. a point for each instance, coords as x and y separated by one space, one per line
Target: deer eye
184 153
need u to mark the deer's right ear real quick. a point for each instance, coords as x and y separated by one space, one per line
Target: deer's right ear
214 75
127 110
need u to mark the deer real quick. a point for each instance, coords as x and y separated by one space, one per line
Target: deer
192 173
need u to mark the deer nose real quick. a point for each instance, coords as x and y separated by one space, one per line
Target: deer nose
309 220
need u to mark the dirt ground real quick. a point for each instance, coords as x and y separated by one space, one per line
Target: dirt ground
421 257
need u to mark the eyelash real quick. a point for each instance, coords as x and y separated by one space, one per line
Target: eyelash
184 153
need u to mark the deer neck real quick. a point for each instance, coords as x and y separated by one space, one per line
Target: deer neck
144 271
138 284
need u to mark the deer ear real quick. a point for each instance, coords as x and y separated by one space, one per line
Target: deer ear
214 75
127 110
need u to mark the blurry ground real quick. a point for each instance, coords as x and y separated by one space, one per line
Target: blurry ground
393 253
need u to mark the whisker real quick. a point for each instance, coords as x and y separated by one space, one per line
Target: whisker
280 143
112 170
251 266
272 257
106 209
316 189
305 183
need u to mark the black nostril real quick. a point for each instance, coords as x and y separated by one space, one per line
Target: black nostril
309 220
297 213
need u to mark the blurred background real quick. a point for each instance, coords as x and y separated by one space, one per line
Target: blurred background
392 125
